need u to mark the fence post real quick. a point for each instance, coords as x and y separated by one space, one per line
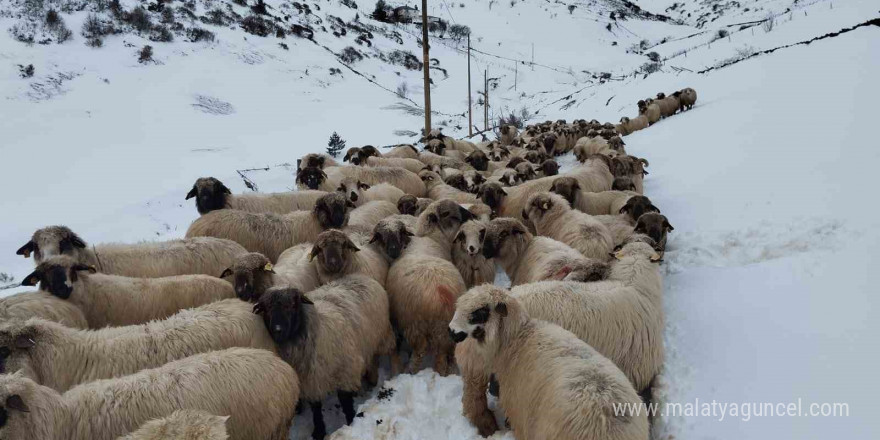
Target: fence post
426 67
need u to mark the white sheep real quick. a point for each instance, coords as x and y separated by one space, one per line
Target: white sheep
211 195
117 300
183 425
42 305
467 254
335 255
363 219
255 387
438 189
252 273
553 217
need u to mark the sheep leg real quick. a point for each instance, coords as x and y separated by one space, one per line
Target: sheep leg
494 386
346 399
320 430
373 372
475 381
419 344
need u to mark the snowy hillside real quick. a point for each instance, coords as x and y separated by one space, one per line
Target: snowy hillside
770 272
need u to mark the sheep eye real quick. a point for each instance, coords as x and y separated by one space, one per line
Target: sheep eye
479 316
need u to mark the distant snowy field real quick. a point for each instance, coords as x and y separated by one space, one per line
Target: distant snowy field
771 272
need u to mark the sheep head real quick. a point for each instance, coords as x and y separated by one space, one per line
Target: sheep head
549 168
57 275
488 314
525 171
252 274
637 206
334 250
351 154
623 183
478 160
50 241
353 189
16 339
512 163
456 181
567 187
492 194
435 146
408 205
392 236
508 178
312 160
210 194
311 177
332 211
505 236
15 422
470 236
283 313
445 216
656 226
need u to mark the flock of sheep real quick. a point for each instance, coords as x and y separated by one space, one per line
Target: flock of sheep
277 299
652 110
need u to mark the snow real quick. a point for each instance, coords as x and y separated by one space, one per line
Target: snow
770 272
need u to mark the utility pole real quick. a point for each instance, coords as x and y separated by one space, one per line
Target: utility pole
426 67
486 99
470 106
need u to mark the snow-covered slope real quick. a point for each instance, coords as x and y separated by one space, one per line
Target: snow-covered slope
769 280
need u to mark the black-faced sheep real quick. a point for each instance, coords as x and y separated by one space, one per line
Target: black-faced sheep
253 274
360 193
336 255
412 205
211 195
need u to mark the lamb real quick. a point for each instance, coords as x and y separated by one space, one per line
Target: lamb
330 338
61 358
467 255
270 234
555 385
527 259
688 98
329 178
365 217
593 203
628 330
508 133
316 160
412 205
183 425
253 274
44 306
211 195
360 193
117 300
438 189
235 381
336 256
553 217
202 255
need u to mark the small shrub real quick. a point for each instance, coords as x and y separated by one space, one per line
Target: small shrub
146 54
33 8
350 55
162 34
256 25
349 4
649 68
571 9
654 56
335 145
459 31
280 33
644 44
62 33
93 27
94 42
52 18
198 34
26 71
140 20
115 8
402 90
283 46
260 8
24 31
769 23
168 15
380 12
217 18
722 33
405 59
302 31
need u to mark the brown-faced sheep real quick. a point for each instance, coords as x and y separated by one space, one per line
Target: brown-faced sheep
506 178
116 300
412 205
549 168
253 274
480 161
41 305
211 195
202 255
270 234
525 172
392 235
336 255
669 104
439 148
360 193
449 143
61 358
233 381
652 112
316 160
331 338
555 386
527 259
623 183
508 134
183 425
467 254
635 124
656 226
553 217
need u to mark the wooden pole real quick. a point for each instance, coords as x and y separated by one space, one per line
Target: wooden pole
426 66
486 98
470 106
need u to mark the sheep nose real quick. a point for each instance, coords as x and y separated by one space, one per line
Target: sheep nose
457 336
354 197
472 250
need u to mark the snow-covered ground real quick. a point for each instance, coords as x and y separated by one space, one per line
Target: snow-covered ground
771 270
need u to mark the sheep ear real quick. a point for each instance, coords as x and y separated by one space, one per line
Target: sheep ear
656 258
225 189
26 249
350 245
363 186
321 160
298 164
668 226
32 279
79 266
465 214
376 237
314 253
518 231
458 237
408 233
350 204
192 193
504 191
259 309
24 342
306 300
14 402
226 273
323 174
432 218
623 209
501 309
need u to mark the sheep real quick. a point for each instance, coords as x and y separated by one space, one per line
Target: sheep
508 133
616 143
630 167
438 147
331 338
257 388
392 235
512 163
555 386
183 425
270 234
202 255
441 221
527 259
480 161
360 193
329 178
412 205
623 183
637 206
656 226
449 143
61 358
669 104
41 305
549 168
525 172
365 217
635 124
252 273
413 165
652 112
438 189
587 146
211 195
473 179
479 211
402 151
688 98
431 159
467 255
593 203
457 181
116 300
593 175
317 160
336 256
553 217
